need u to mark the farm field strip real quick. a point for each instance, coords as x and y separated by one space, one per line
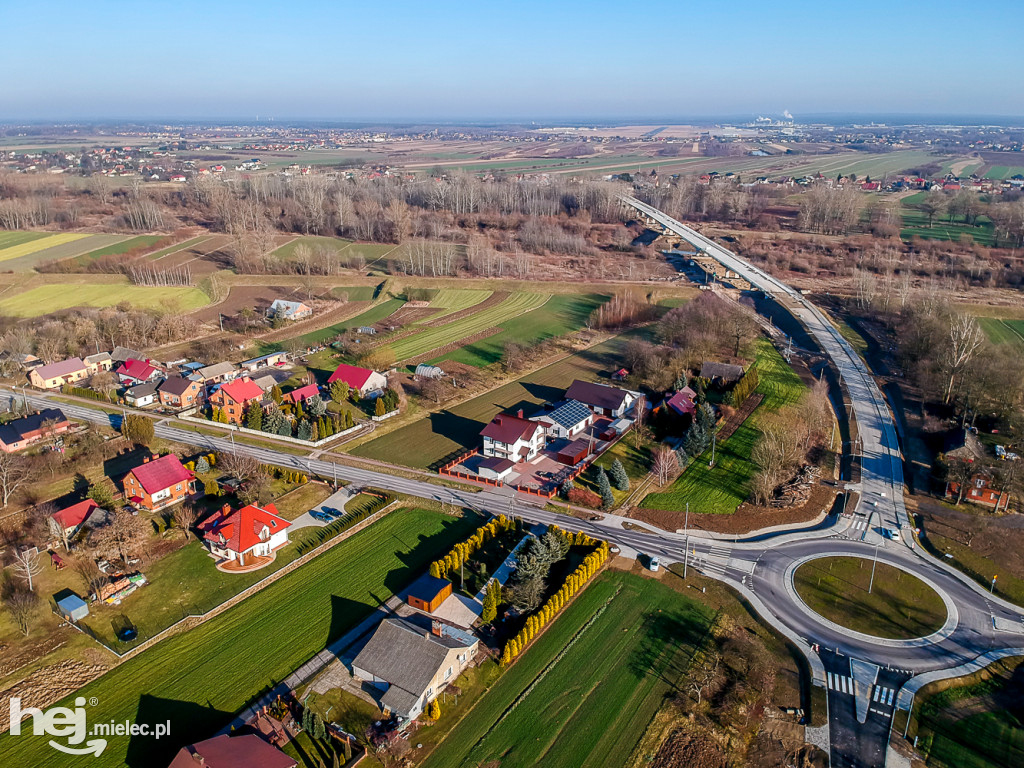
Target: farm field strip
1003 331
54 297
438 336
453 300
1004 172
17 237
199 679
157 255
584 693
27 248
373 315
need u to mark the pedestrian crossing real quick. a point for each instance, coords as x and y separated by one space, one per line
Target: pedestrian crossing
859 525
883 696
840 683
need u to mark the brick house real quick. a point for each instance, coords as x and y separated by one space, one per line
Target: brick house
980 490
158 483
56 375
301 394
132 372
232 397
179 392
20 433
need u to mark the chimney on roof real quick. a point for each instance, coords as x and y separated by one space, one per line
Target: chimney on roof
519 413
226 508
199 759
436 627
145 460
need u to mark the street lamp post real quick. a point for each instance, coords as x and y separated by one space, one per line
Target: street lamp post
874 562
686 533
714 441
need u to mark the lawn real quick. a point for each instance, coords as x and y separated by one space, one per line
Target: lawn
355 292
427 441
585 692
11 238
1003 331
915 223
721 489
438 336
899 606
197 680
54 297
1004 172
558 316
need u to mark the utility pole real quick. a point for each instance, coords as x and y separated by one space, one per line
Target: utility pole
220 318
686 531
234 451
874 562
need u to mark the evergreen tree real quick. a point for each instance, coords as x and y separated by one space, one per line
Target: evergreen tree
706 417
319 729
435 710
349 420
619 477
339 391
254 416
680 382
314 431
490 607
696 439
276 394
567 486
604 487
315 406
202 465
285 428
379 408
299 412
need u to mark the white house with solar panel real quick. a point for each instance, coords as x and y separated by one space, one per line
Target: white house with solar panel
565 419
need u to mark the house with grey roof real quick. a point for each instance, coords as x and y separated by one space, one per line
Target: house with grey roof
721 373
411 660
289 310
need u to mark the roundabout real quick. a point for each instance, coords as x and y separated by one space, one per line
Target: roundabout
875 600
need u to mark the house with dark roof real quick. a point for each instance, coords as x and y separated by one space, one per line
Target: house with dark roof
961 443
362 380
721 373
565 419
141 395
18 434
411 660
132 372
226 751
602 398
233 397
179 392
245 534
158 483
56 375
512 437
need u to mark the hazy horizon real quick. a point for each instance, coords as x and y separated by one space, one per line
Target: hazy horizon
574 63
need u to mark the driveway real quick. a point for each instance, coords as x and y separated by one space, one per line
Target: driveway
336 501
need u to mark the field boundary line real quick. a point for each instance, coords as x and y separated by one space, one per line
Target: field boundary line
1019 335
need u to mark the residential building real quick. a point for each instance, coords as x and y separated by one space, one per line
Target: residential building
56 375
411 660
721 373
101 361
18 434
683 402
179 393
233 397
289 310
980 489
362 380
216 373
301 394
513 437
70 519
226 751
133 371
141 395
566 419
121 354
963 444
245 534
158 483
603 399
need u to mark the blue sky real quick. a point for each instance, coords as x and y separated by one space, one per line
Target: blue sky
494 61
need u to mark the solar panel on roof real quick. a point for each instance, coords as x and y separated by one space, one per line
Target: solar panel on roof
569 414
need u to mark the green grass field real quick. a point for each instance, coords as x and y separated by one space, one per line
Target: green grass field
915 224
12 238
558 316
199 679
287 251
355 292
585 692
124 246
28 247
373 315
453 300
425 442
54 297
720 490
1003 331
437 336
899 606
1004 171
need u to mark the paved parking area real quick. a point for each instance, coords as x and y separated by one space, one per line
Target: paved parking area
335 501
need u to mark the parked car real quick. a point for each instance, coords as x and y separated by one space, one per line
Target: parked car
319 516
654 563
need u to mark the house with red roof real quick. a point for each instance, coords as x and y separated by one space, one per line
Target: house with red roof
132 372
513 437
302 394
244 534
158 483
683 402
362 380
233 397
70 519
227 751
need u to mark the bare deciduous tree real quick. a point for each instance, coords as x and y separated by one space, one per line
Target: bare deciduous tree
664 464
965 339
26 564
14 473
185 516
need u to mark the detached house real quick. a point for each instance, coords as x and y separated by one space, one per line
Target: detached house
227 751
602 398
20 433
101 361
245 534
302 394
216 373
233 397
158 483
179 392
141 395
56 375
566 419
513 437
980 490
70 519
289 310
362 380
132 372
683 402
412 661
